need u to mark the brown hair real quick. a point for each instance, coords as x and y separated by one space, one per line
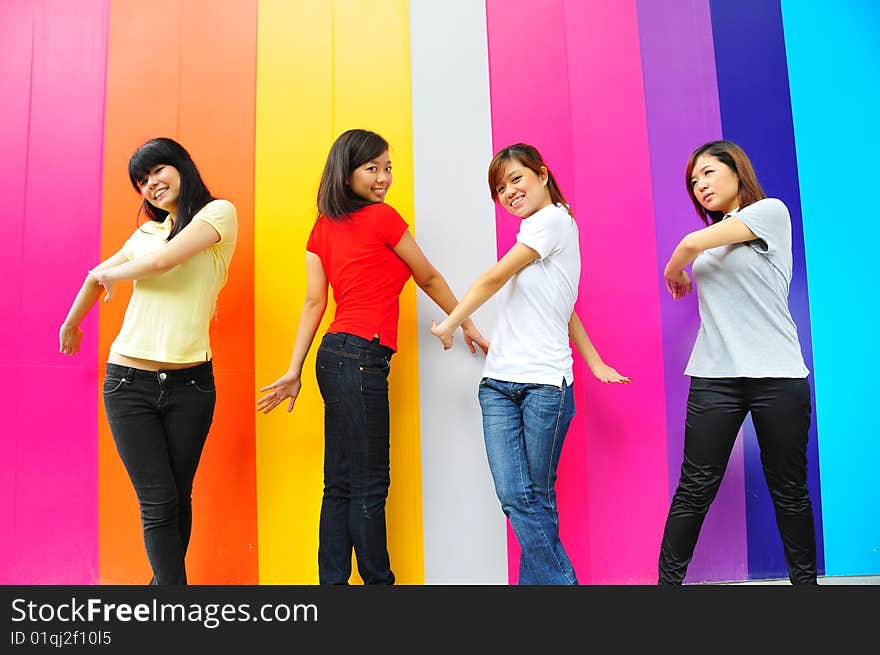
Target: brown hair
531 159
735 158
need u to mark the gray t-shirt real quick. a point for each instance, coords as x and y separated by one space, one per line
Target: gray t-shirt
746 329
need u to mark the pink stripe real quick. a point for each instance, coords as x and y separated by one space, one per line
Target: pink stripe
626 428
16 34
528 80
16 28
568 80
50 467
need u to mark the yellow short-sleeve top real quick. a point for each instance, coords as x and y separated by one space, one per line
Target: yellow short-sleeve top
168 316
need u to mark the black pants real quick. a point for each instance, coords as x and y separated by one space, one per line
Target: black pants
716 409
353 377
159 421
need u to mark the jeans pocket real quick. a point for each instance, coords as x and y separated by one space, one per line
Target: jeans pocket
374 380
376 365
113 385
203 386
328 371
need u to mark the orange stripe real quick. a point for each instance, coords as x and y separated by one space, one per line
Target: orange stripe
194 82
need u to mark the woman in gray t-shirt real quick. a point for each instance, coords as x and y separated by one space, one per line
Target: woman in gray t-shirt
746 358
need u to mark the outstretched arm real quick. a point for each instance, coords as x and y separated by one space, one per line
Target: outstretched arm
485 286
193 239
70 335
590 355
435 286
726 232
289 384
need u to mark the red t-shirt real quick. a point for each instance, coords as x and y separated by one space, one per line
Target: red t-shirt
365 273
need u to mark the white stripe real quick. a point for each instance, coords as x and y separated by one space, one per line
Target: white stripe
465 530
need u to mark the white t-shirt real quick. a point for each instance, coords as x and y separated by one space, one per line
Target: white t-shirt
530 339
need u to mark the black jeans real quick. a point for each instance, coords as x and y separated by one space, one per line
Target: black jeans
353 377
159 421
716 409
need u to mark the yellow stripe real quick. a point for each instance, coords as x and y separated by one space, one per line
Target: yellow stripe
293 128
373 91
324 68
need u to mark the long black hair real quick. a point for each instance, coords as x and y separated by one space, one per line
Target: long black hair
194 193
351 149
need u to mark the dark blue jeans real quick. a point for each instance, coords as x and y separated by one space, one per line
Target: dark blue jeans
716 409
353 377
159 421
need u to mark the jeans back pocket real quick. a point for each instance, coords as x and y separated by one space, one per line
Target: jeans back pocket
328 371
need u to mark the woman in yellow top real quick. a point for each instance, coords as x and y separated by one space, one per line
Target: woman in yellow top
159 390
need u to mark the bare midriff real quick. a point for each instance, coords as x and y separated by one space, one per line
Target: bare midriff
148 364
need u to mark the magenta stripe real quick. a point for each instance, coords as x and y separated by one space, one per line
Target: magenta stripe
626 441
529 99
682 110
567 78
16 34
50 474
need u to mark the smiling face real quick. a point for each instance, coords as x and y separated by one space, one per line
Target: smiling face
372 179
520 190
714 184
161 187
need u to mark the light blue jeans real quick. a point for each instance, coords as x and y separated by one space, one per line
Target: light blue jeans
524 426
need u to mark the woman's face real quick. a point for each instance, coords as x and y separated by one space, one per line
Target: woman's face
371 180
521 191
715 185
161 187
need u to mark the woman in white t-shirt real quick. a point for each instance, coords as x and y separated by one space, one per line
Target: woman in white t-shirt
159 392
526 392
746 358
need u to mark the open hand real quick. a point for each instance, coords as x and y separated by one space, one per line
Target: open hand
287 386
606 374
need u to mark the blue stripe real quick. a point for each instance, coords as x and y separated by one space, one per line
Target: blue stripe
756 114
834 65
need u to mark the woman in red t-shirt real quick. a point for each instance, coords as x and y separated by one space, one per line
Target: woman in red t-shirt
363 249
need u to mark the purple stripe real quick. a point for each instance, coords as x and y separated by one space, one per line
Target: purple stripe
683 112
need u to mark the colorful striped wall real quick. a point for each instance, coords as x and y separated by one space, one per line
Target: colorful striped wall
615 95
